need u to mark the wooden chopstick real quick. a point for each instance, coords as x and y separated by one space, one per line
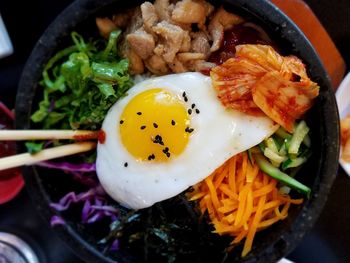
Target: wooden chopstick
19 135
44 155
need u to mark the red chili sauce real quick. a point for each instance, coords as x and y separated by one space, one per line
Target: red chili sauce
86 136
101 136
237 35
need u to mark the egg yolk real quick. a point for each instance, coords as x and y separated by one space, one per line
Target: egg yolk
155 125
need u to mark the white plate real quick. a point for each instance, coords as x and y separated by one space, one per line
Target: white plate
6 48
343 101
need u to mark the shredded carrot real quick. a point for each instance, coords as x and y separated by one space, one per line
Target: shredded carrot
241 200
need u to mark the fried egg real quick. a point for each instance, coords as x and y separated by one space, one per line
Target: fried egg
168 134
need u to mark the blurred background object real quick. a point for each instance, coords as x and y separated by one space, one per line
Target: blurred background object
14 249
307 21
6 48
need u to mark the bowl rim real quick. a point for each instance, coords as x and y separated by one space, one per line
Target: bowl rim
264 10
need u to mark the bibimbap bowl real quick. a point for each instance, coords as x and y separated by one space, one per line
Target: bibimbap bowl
49 185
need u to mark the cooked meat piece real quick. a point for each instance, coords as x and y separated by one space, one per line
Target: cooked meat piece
135 22
135 63
177 66
226 19
202 66
190 60
188 12
157 65
188 56
216 31
221 21
141 42
172 37
159 49
185 27
186 42
105 26
123 19
162 9
149 16
209 8
200 43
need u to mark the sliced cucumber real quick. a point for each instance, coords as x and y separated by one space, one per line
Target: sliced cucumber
274 157
283 133
284 178
307 141
271 144
299 134
291 163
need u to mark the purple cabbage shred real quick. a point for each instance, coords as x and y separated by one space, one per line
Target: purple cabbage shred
69 167
115 246
57 220
95 205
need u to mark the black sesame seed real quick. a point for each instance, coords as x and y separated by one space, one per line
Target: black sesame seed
158 139
166 152
125 164
189 130
185 99
189 111
197 111
139 113
155 125
151 157
172 122
121 122
193 105
166 149
184 94
143 127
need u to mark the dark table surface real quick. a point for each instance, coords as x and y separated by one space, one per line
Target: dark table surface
328 241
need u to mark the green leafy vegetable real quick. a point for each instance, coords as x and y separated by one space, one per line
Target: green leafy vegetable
81 83
34 147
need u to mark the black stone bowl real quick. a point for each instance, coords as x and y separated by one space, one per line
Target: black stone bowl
319 173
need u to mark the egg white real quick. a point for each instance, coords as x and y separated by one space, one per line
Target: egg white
219 134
